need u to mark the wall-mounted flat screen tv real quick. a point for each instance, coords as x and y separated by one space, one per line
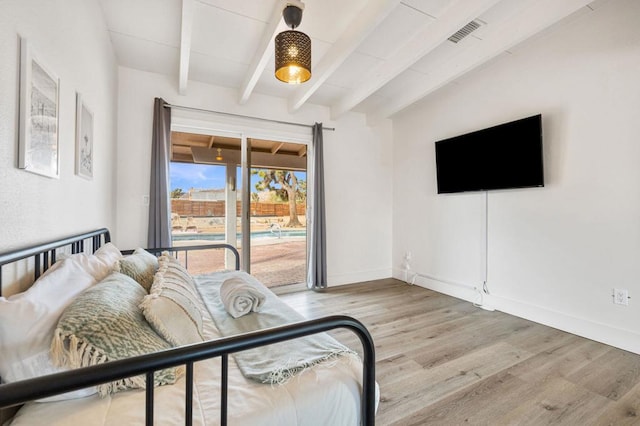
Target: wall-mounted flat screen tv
501 157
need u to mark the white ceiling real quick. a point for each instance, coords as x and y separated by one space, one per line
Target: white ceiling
371 56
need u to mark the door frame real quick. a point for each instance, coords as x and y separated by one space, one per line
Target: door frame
246 129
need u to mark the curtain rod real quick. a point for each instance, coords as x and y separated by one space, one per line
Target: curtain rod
166 105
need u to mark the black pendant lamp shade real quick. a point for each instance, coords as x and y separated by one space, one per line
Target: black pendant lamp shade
293 50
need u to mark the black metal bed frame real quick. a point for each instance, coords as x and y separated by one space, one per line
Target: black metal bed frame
44 255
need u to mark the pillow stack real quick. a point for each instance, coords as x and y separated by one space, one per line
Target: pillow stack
90 309
150 306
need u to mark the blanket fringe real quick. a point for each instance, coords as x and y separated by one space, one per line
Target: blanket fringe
291 368
69 351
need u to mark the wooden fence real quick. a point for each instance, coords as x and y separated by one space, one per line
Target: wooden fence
217 208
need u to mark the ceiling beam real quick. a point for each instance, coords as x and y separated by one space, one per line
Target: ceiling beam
211 141
258 159
185 158
431 35
368 19
302 151
188 7
496 40
276 147
263 52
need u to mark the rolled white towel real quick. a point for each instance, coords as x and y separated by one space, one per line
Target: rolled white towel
240 297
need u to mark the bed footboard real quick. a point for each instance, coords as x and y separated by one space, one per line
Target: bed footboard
41 387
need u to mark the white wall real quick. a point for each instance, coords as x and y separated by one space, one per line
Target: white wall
357 163
555 253
75 46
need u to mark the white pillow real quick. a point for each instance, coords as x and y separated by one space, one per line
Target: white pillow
101 263
28 319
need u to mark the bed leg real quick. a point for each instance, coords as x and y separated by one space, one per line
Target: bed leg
149 400
224 385
188 415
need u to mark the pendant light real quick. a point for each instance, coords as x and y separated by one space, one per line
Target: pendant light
293 48
219 156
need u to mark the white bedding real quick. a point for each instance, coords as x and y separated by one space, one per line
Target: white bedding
324 395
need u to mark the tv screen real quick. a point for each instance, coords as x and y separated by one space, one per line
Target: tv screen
501 157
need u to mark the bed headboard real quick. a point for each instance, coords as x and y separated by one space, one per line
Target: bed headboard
28 263
40 257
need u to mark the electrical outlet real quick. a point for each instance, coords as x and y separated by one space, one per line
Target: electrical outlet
620 296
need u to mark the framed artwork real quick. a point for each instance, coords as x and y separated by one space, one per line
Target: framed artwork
84 139
39 147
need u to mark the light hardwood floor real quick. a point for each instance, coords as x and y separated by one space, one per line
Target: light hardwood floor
440 360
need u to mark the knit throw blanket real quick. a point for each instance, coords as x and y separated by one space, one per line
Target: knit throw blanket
276 363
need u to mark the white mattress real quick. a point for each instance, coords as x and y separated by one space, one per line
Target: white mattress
324 395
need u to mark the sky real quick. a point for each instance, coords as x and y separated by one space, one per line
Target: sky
204 176
199 176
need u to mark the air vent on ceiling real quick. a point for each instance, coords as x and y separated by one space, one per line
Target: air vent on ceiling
465 31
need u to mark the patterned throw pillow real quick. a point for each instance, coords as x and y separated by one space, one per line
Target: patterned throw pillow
141 266
103 324
172 306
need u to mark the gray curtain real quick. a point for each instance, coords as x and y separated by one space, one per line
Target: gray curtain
159 208
317 274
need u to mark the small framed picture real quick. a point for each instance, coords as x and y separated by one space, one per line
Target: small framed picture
84 139
38 147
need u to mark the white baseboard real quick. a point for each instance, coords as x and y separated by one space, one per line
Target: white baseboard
604 333
357 277
620 338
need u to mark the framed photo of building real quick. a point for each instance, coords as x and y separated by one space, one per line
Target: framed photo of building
84 139
38 148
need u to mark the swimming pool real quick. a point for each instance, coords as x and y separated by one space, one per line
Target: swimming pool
188 236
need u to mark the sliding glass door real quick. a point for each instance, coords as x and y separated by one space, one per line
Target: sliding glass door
278 217
248 192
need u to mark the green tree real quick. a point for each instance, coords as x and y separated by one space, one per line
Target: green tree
301 193
177 193
286 186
